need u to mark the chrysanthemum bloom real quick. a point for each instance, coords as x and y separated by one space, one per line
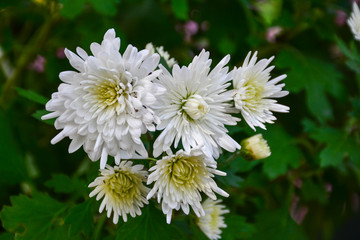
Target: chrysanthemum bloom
122 188
354 21
106 105
254 92
213 219
255 147
195 107
169 61
180 178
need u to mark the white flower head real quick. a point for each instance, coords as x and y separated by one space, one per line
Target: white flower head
180 178
105 105
122 188
213 219
255 147
195 107
254 91
169 61
354 21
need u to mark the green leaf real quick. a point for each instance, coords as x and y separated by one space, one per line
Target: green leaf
80 218
313 192
338 144
284 152
180 9
70 8
351 53
12 164
314 76
105 7
242 165
64 184
150 225
7 236
35 218
237 228
231 179
39 113
277 225
317 101
33 96
269 10
227 45
355 108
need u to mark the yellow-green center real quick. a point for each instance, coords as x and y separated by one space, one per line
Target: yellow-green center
123 185
196 107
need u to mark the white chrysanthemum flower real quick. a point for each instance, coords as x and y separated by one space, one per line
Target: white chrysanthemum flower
106 106
195 107
255 147
354 21
253 91
213 219
122 188
180 178
169 61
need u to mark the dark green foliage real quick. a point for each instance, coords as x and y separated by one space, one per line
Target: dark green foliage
315 162
39 217
80 218
284 152
150 225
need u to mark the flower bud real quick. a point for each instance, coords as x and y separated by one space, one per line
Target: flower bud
255 147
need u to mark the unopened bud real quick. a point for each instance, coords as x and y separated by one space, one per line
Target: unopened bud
255 147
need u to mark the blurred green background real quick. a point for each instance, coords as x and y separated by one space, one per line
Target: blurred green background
307 189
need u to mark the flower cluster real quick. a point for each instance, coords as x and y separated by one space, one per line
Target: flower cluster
112 99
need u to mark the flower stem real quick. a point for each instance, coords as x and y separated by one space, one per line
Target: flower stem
152 159
99 226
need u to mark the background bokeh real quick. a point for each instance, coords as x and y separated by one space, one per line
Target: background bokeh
307 189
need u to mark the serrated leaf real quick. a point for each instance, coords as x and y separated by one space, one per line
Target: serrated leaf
36 218
12 164
64 184
237 228
337 144
33 96
316 77
284 152
180 9
39 113
153 226
80 218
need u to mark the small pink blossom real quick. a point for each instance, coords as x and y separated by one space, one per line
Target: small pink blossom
190 29
272 33
340 17
60 53
297 212
38 65
298 182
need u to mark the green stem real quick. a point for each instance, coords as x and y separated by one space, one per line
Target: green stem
28 54
235 155
99 226
152 159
